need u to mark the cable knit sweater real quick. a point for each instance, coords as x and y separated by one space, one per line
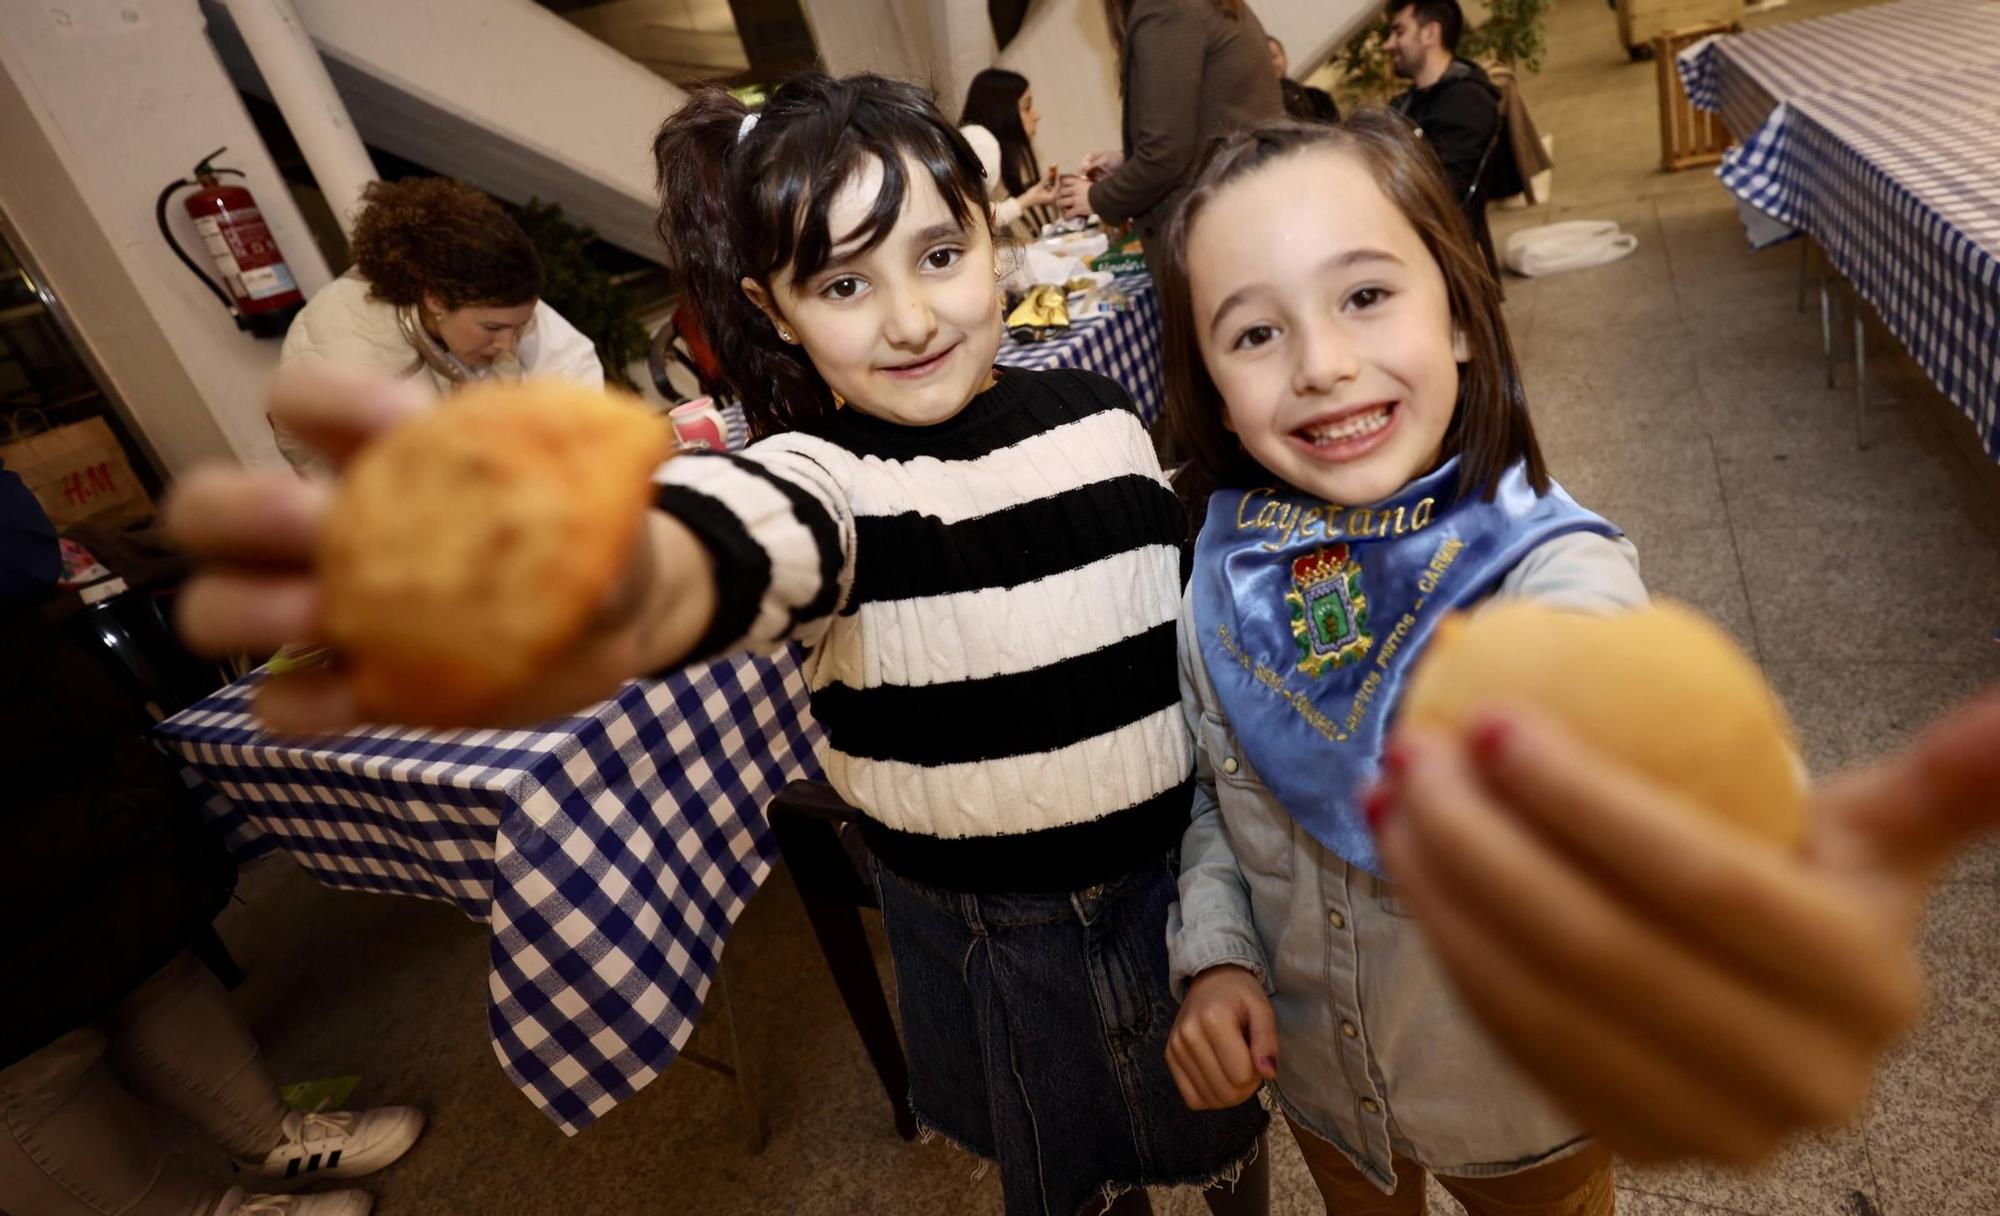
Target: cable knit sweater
989 606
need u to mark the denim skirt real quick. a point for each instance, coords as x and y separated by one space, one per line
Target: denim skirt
1036 1027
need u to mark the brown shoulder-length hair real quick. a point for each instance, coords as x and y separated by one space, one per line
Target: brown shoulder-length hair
1118 15
442 237
1489 428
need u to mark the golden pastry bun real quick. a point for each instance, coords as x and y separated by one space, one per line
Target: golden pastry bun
1663 689
468 549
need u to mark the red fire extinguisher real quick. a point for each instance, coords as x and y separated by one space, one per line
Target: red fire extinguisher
260 292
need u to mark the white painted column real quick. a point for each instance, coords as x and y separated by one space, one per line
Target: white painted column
1064 49
304 93
101 105
961 47
869 36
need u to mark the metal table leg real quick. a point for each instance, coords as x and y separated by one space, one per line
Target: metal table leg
736 1067
1860 379
1805 268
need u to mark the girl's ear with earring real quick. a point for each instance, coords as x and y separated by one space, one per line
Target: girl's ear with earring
762 299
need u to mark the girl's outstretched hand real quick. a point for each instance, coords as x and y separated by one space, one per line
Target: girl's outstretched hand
1045 191
255 533
1682 988
253 530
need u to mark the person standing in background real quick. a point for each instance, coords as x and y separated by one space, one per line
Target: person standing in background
1189 71
1453 103
999 121
1302 101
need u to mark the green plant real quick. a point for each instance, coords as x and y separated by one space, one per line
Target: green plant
1366 78
583 291
1511 33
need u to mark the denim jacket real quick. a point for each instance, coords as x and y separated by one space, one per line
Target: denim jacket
1376 1053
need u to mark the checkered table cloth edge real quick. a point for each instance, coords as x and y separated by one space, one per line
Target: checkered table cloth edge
610 852
1877 130
1745 76
1901 187
1122 345
1755 80
735 427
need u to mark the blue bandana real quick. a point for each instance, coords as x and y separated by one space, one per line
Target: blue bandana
1310 616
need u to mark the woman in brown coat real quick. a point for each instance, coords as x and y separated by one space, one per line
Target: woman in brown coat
1189 70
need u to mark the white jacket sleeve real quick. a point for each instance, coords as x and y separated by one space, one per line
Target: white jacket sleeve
1578 572
342 327
561 350
987 148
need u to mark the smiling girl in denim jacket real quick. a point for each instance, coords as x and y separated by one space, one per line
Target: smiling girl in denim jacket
1671 986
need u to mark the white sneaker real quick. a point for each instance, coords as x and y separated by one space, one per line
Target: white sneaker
339 1143
327 1203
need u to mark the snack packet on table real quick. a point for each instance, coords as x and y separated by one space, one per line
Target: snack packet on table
1043 312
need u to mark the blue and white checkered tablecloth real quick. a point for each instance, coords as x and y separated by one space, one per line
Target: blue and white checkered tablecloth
1744 77
735 427
1755 80
1899 182
1122 345
610 852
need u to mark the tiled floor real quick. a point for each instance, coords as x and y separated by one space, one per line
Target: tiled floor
1678 391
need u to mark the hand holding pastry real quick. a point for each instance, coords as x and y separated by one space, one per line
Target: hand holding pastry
1686 978
486 561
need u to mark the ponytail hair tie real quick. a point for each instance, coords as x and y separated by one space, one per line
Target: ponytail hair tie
749 121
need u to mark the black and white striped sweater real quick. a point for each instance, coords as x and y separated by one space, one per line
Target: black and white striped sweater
989 607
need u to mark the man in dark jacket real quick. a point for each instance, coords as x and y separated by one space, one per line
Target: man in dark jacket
1452 103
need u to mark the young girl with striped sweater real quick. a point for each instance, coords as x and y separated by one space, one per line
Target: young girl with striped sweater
983 567
983 564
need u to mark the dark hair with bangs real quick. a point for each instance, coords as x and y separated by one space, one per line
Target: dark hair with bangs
737 205
1489 429
993 101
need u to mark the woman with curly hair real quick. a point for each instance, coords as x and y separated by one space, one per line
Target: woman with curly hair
445 288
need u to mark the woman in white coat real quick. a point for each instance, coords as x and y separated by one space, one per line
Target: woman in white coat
445 289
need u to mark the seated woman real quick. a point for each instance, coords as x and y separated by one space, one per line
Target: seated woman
999 121
445 288
107 877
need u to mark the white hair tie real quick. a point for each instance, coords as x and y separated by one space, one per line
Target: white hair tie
749 121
